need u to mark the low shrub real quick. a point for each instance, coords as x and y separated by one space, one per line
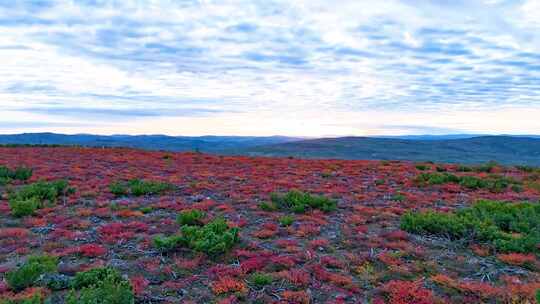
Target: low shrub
422 167
100 286
300 202
94 276
286 220
28 273
213 238
268 206
508 227
425 179
24 207
493 183
138 187
260 279
19 173
190 217
29 198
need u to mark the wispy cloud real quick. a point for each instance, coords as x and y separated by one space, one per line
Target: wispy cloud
296 61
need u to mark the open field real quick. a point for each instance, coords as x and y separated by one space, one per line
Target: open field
163 227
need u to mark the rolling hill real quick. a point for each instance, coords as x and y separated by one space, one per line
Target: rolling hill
450 149
503 149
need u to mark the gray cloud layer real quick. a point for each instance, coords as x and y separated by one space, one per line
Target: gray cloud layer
202 58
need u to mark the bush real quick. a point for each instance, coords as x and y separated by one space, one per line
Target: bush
286 220
422 167
20 173
424 179
24 207
213 238
31 197
167 243
508 227
118 189
101 286
268 206
190 217
27 274
300 202
260 279
493 183
138 187
94 277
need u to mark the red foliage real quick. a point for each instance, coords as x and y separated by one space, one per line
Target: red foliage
91 250
228 284
407 292
517 258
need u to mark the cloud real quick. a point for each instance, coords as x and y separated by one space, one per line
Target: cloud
121 60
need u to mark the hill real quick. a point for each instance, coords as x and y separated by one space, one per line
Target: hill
459 148
213 144
503 149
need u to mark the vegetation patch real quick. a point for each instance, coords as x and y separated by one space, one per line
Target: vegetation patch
300 202
100 286
213 238
508 227
493 183
27 199
138 187
19 173
28 274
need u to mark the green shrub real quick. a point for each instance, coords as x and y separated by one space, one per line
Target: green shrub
538 296
118 189
20 173
168 243
24 207
260 279
300 202
213 238
141 187
138 187
508 227
27 274
94 277
441 169
27 199
147 209
493 183
398 197
268 206
422 167
190 217
424 179
101 286
286 220
43 191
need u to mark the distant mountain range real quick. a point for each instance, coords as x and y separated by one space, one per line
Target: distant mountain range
460 148
210 144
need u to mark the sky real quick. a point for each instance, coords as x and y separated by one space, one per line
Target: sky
264 67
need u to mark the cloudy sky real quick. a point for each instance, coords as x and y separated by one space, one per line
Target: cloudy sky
264 67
